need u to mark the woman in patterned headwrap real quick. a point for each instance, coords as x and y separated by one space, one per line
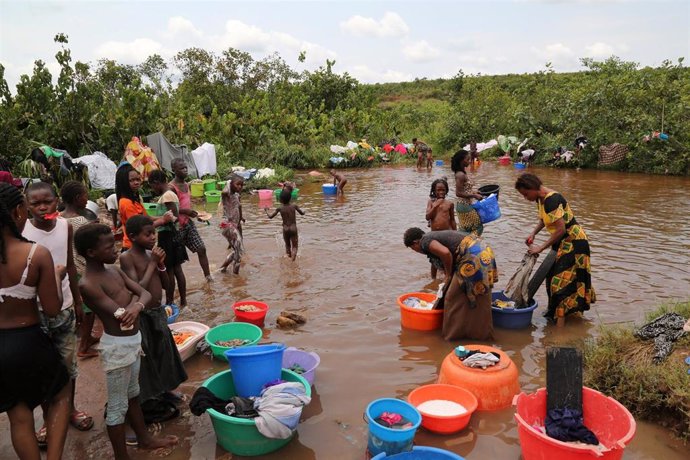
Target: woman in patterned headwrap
569 282
470 271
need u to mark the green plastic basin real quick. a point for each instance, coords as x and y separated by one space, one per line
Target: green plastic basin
209 184
229 331
240 436
153 209
213 196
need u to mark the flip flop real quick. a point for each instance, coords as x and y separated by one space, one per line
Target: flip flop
42 437
81 420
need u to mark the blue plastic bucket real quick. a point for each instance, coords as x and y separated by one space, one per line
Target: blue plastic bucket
254 366
519 165
420 453
439 162
388 440
488 209
329 189
511 318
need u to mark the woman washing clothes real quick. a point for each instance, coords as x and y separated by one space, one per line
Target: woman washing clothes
569 281
470 271
468 217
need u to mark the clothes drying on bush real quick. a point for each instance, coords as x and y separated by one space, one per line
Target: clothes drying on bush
567 425
610 154
141 158
205 159
167 152
101 170
664 330
517 287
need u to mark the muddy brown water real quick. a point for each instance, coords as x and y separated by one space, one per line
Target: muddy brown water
351 267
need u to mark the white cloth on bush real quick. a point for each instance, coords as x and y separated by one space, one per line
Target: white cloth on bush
205 159
351 145
265 172
101 170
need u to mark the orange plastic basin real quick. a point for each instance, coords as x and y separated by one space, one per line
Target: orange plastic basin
415 318
494 386
444 424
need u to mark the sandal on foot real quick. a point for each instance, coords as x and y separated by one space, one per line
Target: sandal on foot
42 437
81 420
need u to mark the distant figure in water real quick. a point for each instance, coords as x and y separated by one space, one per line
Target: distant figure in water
423 153
339 180
288 213
440 213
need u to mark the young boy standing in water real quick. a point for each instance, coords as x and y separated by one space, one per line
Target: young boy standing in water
440 212
339 180
117 300
288 213
231 225
188 232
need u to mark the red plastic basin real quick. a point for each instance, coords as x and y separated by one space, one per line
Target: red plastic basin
256 318
610 421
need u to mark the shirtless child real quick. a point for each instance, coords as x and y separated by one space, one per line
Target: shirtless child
287 212
440 212
339 180
109 292
161 366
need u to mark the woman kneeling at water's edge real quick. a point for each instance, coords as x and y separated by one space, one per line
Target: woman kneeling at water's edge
470 271
569 281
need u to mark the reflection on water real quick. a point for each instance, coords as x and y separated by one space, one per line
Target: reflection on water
352 265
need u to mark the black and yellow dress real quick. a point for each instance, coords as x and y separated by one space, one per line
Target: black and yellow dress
569 282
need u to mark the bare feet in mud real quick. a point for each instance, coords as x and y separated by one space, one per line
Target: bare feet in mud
161 446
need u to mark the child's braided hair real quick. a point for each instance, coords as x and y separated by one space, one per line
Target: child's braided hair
10 197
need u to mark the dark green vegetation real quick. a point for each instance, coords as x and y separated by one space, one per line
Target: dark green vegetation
263 113
620 365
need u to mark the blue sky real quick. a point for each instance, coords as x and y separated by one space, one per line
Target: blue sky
375 41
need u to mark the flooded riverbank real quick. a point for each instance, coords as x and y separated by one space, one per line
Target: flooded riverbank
351 267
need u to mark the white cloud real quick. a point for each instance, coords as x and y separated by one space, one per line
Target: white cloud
179 26
599 50
390 25
421 51
245 37
132 52
553 51
365 74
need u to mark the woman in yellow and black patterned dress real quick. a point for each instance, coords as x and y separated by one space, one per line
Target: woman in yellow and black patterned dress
569 282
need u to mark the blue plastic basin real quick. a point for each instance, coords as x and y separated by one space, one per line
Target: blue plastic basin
511 318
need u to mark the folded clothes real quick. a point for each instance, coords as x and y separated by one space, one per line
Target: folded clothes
482 360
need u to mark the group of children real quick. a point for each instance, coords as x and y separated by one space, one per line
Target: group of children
43 289
63 265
